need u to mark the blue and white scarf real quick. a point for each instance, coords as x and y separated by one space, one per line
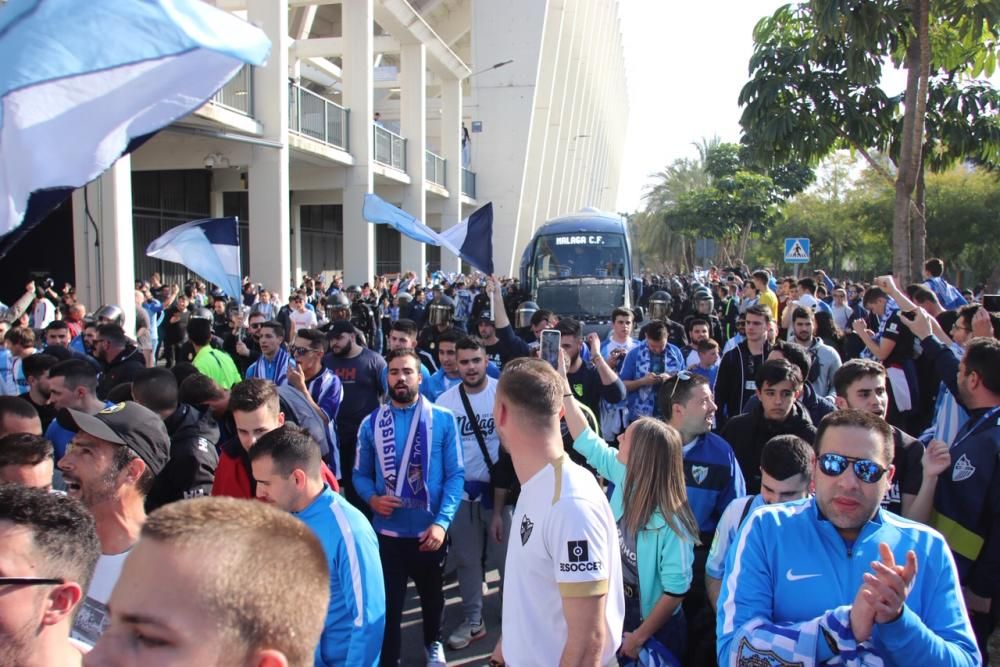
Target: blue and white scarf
411 486
276 371
891 308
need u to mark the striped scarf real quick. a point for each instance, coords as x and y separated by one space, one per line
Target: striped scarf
275 371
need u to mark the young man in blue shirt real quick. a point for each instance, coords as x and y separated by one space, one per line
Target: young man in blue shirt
286 464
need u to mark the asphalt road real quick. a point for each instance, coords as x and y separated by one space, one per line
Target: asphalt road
478 652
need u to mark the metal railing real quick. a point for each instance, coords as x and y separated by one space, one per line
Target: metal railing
316 117
390 148
435 165
237 94
468 183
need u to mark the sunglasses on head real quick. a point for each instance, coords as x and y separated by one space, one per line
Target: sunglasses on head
681 375
834 465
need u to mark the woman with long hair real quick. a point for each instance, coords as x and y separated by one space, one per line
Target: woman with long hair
656 530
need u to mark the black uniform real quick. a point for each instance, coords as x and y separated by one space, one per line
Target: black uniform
193 458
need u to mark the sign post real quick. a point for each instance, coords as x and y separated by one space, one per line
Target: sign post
796 252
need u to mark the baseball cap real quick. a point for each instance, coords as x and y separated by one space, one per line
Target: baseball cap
339 328
129 424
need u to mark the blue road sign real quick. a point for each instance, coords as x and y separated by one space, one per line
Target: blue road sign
796 251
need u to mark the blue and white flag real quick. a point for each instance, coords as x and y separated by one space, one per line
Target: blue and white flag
81 79
471 239
210 248
474 238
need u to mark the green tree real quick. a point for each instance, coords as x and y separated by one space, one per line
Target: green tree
814 87
739 200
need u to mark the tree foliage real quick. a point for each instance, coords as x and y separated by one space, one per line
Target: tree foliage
815 87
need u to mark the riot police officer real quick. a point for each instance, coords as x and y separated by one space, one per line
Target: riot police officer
440 314
660 307
703 307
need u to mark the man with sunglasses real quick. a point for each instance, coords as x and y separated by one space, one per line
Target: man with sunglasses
834 577
48 549
241 342
319 386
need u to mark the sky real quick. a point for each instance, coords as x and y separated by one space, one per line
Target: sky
685 63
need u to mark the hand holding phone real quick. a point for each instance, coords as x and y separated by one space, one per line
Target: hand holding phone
551 346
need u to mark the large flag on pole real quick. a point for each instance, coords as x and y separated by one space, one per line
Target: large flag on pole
81 79
210 248
474 238
459 240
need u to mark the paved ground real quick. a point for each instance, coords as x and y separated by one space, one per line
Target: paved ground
477 653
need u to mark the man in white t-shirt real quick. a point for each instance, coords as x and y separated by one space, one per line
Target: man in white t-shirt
563 599
479 510
302 317
110 467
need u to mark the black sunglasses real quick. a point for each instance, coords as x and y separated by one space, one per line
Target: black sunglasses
834 465
30 581
300 351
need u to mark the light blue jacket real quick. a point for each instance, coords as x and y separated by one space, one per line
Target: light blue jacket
445 479
791 579
664 559
355 619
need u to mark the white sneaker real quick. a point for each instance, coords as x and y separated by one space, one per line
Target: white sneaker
465 634
435 655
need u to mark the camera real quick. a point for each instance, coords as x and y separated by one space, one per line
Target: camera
48 283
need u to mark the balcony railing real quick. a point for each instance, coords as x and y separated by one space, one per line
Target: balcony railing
316 117
468 183
390 148
237 95
435 169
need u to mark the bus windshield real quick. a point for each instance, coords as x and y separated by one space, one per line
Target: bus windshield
579 255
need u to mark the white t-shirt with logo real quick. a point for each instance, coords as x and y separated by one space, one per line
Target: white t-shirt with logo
302 320
93 617
482 405
563 543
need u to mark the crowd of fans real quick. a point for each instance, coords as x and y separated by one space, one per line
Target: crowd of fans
743 469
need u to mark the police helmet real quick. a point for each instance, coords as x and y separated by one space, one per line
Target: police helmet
524 313
441 310
660 305
110 314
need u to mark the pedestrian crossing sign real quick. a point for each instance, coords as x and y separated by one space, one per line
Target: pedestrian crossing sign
796 251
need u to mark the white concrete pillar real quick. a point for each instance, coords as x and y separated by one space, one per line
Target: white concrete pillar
451 151
216 203
413 127
269 215
359 236
296 223
103 257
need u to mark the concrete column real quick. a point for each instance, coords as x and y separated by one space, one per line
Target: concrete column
268 173
451 151
104 260
359 236
297 270
413 127
216 205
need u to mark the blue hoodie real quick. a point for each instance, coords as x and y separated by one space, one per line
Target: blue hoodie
445 480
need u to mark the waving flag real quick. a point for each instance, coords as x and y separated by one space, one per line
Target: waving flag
471 239
81 79
210 248
474 238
